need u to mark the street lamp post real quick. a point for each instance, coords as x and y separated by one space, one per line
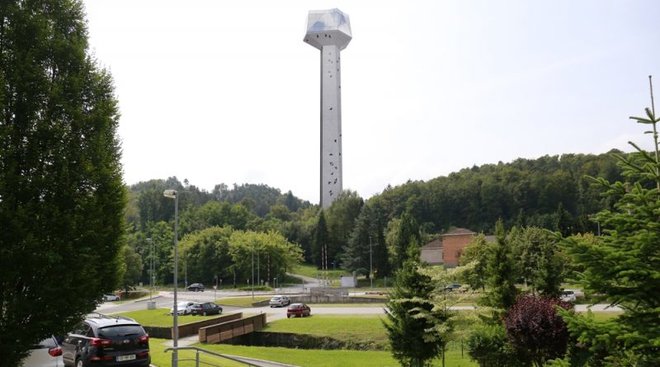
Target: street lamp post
172 194
252 280
151 267
371 271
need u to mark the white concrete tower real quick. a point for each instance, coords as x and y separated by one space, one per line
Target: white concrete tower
330 32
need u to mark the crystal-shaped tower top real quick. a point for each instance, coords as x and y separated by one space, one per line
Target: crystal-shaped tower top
328 27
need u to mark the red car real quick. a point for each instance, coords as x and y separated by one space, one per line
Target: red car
298 309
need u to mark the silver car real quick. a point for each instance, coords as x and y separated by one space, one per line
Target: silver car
183 307
279 301
45 354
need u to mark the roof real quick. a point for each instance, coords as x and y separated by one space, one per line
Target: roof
458 232
102 320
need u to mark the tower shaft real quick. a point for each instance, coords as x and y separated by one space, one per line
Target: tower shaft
330 32
331 147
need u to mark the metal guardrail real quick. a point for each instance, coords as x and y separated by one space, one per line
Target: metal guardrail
246 361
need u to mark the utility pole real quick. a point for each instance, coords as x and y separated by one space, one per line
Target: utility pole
151 267
252 271
371 262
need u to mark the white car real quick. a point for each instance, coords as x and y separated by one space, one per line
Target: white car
568 296
46 354
110 297
183 308
279 301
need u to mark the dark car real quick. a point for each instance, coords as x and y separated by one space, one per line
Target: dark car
208 308
298 309
107 341
196 287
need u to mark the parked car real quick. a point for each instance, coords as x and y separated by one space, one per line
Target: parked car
207 308
196 287
279 301
183 307
452 286
47 353
568 296
298 309
110 297
102 340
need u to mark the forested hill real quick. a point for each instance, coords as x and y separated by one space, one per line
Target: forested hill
147 203
551 192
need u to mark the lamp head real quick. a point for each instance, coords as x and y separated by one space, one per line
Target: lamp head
170 194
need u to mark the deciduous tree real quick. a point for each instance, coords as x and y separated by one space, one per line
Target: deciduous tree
61 192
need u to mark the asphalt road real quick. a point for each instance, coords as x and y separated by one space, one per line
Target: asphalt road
166 299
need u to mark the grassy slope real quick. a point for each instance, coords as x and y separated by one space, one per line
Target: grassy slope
298 357
161 317
367 328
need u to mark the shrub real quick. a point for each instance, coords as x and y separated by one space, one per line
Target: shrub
535 329
489 347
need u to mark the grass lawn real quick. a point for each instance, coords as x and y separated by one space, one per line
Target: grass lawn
603 316
161 317
298 357
312 272
366 328
334 305
241 301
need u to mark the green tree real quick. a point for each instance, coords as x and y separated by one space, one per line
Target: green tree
270 254
320 242
540 261
61 192
132 268
162 235
416 328
623 265
477 254
206 254
367 241
341 216
408 232
501 292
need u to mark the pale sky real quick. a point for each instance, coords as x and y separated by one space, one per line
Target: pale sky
227 92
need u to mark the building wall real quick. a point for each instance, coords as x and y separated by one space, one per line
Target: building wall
453 246
431 253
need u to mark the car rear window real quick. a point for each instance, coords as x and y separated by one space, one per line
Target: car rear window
120 331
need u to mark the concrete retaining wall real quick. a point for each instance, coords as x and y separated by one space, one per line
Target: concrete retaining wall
220 332
188 329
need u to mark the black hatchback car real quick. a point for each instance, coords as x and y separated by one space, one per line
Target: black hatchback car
208 308
106 341
196 287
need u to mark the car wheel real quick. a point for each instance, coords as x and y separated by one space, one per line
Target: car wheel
79 363
288 316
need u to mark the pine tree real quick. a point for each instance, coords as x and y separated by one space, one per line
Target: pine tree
623 265
416 327
61 191
501 280
320 242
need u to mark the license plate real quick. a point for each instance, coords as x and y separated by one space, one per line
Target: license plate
129 357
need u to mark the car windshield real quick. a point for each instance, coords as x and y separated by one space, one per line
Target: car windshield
119 331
